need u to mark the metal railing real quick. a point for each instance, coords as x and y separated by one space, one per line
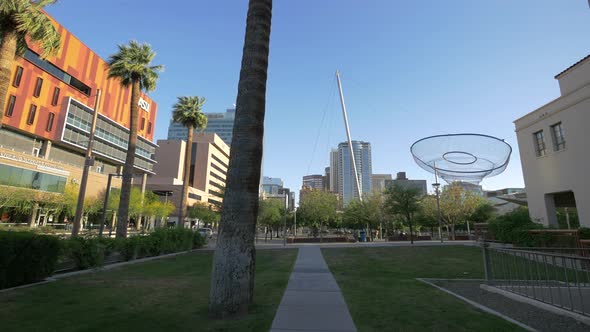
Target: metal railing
556 276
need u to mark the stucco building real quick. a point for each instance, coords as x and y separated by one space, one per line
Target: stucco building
553 144
208 170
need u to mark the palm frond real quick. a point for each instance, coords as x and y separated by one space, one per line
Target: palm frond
132 63
187 111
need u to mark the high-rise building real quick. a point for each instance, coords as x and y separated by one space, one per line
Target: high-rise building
315 181
50 106
347 188
402 181
271 186
378 181
221 124
334 176
327 176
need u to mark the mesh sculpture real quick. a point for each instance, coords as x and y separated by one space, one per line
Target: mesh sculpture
462 157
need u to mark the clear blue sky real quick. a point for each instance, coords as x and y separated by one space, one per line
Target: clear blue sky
410 68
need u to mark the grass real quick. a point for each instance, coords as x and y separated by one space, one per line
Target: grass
163 295
382 294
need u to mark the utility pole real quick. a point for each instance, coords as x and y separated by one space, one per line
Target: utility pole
88 161
436 186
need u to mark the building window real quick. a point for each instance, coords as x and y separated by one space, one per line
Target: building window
558 137
32 112
540 147
142 123
10 106
17 76
55 97
149 131
38 87
50 121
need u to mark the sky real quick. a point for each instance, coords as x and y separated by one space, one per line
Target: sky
409 69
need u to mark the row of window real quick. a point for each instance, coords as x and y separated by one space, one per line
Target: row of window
216 176
38 86
216 185
219 161
557 137
32 113
55 71
219 169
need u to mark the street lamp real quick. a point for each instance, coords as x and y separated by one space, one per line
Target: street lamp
436 186
106 202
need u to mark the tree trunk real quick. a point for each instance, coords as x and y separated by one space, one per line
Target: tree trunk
7 55
187 175
33 216
123 213
453 231
411 229
232 277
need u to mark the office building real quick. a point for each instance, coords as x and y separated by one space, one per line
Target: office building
402 180
208 170
314 181
347 187
221 124
271 186
378 181
334 176
49 111
553 145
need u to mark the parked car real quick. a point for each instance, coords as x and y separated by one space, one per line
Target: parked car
205 232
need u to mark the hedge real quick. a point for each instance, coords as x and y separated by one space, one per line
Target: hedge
26 257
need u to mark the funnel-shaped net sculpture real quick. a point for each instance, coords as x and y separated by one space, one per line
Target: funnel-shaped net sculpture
462 157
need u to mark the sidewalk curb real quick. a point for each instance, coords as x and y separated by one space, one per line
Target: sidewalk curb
478 306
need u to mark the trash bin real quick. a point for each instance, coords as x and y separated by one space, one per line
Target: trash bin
363 236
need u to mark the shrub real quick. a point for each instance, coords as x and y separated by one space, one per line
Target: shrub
130 248
85 252
199 241
26 257
513 227
584 233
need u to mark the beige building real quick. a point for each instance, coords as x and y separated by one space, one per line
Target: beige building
210 160
553 143
378 181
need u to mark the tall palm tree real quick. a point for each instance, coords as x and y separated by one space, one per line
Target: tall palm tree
232 278
187 111
20 19
132 66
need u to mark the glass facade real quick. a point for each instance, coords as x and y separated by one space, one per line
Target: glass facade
34 58
220 123
110 139
347 181
30 179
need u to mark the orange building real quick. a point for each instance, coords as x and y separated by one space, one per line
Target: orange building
48 115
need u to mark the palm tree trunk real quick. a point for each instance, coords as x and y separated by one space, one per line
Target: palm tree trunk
187 176
123 219
7 54
232 277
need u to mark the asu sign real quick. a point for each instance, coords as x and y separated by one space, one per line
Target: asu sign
143 104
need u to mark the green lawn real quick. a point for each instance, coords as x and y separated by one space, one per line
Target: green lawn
170 294
382 294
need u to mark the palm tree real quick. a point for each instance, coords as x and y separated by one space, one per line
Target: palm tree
20 19
232 277
132 66
187 111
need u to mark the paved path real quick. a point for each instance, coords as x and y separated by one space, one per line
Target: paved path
312 300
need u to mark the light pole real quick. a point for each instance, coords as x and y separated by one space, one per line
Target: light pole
436 186
88 161
106 202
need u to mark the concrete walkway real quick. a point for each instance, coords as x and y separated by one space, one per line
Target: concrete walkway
312 300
